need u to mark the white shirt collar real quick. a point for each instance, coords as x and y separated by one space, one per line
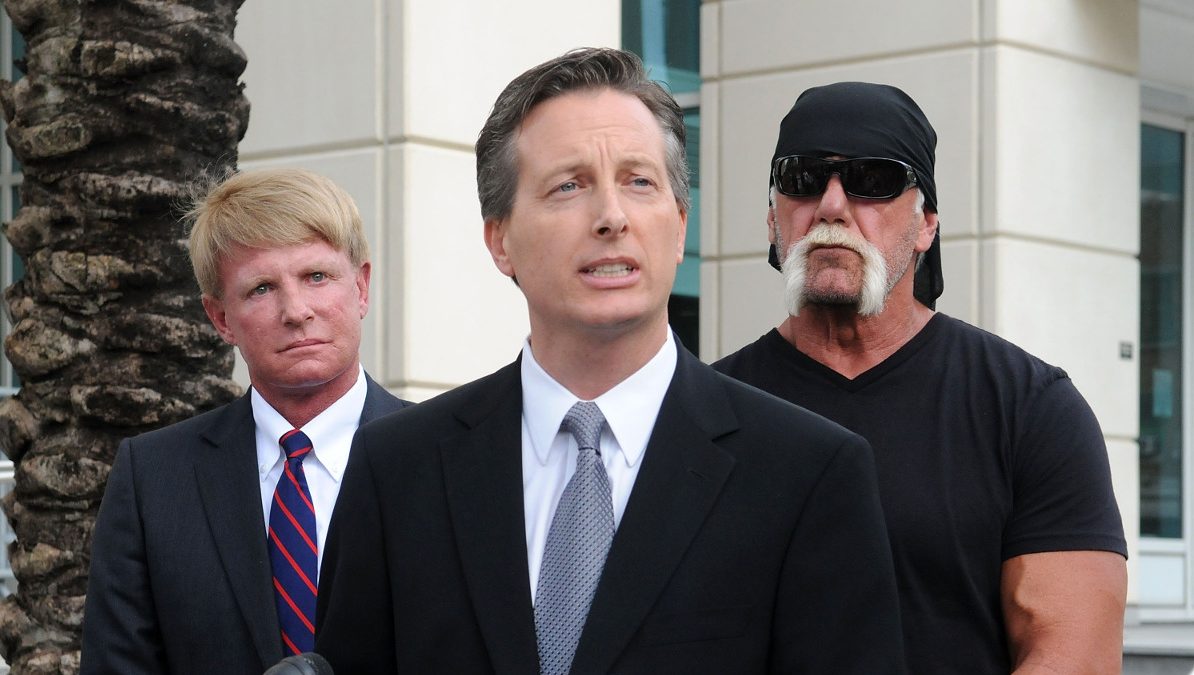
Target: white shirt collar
330 432
630 407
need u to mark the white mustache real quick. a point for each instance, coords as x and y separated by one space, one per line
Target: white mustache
828 235
872 295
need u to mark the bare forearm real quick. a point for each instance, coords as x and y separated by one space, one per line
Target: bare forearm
1064 612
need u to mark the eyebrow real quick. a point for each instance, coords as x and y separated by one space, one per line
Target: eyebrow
633 161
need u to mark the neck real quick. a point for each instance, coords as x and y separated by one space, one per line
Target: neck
591 363
838 338
298 406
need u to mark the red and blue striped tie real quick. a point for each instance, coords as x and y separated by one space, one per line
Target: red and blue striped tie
293 551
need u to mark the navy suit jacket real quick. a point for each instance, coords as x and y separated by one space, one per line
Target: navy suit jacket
753 542
180 574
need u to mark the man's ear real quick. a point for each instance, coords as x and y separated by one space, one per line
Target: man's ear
495 241
771 224
216 314
683 235
924 239
363 275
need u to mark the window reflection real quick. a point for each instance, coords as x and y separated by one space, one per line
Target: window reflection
1161 317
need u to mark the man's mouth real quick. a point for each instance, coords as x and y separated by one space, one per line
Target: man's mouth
841 246
309 342
609 270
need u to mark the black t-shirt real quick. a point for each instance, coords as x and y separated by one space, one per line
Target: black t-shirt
984 453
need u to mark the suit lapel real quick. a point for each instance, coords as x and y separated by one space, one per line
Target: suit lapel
226 469
483 481
682 474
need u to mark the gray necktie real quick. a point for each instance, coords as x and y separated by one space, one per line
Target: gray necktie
577 543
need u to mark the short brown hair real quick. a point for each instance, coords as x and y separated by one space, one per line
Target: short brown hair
265 208
577 70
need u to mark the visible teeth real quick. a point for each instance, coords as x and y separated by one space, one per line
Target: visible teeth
613 270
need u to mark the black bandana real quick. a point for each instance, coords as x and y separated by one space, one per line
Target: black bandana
860 119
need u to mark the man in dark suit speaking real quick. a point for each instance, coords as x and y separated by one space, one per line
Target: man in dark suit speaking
206 551
606 503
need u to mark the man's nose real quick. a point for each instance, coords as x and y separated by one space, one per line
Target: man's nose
834 201
296 307
610 219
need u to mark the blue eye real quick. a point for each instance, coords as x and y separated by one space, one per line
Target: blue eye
261 289
318 276
570 186
642 182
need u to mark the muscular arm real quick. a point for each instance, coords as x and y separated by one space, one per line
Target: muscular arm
1064 611
120 625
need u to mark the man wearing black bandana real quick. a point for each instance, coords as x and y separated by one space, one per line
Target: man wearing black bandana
993 471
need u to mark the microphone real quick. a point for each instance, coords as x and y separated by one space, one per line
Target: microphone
307 663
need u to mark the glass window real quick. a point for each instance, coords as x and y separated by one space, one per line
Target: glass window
688 277
1161 318
666 34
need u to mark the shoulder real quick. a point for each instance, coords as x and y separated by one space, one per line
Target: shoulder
379 401
766 428
992 354
1035 399
761 352
779 448
160 461
451 411
965 335
216 420
766 415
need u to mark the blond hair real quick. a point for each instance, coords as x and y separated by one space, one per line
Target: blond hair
267 208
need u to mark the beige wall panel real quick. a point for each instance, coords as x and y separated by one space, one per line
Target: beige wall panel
1073 308
710 161
750 109
760 35
419 394
960 265
460 318
1167 44
359 173
312 77
394 45
751 302
1098 31
710 311
1066 149
710 40
458 55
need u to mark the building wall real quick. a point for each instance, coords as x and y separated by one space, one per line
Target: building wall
1037 110
387 98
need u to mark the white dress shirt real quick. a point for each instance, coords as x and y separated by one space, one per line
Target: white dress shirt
331 438
549 454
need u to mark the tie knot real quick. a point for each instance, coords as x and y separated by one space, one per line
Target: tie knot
584 421
295 444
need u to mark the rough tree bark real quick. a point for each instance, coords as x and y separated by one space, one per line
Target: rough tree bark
124 102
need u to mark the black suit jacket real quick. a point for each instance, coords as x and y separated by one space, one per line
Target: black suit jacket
752 542
180 574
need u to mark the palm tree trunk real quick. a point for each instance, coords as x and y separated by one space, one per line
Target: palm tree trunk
124 103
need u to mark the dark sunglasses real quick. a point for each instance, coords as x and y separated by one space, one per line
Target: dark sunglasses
866 177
